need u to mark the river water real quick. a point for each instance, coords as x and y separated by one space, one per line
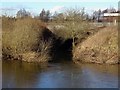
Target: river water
16 74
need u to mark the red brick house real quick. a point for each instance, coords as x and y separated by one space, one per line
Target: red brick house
111 17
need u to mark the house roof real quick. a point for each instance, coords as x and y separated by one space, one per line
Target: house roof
111 14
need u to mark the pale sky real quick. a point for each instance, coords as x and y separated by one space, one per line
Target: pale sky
35 6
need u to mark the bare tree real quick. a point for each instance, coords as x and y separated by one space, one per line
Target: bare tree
75 24
45 15
42 15
23 13
96 15
111 10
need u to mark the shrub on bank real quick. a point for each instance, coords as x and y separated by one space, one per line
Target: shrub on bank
24 40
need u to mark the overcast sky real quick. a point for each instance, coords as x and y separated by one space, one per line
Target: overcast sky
35 6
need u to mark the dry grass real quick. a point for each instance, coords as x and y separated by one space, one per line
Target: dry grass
67 30
99 48
25 40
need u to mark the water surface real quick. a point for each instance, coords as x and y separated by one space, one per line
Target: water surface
18 74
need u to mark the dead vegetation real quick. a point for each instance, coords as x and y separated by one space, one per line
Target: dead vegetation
28 39
99 48
22 40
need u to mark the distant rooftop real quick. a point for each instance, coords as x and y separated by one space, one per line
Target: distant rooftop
111 14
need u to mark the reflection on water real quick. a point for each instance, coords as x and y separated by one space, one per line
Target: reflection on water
59 75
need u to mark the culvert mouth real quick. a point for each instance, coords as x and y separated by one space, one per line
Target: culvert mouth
62 50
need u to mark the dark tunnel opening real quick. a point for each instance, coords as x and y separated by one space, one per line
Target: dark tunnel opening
62 50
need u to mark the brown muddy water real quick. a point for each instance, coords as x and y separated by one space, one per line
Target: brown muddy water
16 74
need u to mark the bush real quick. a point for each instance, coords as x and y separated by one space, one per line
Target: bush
25 38
41 55
71 24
